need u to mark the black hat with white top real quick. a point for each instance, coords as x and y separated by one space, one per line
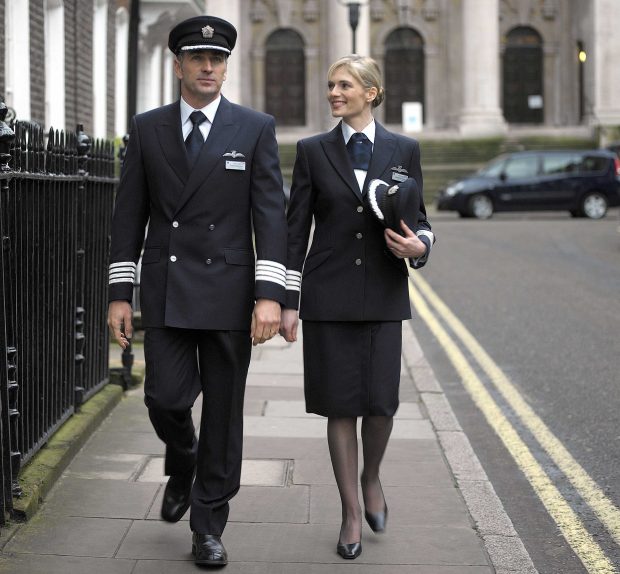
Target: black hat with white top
203 33
391 203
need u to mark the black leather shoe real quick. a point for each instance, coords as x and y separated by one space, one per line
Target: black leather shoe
349 551
377 520
177 497
208 550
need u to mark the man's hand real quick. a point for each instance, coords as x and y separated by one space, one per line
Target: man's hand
119 321
288 325
265 321
406 247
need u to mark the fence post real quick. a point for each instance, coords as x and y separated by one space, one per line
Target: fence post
10 455
83 147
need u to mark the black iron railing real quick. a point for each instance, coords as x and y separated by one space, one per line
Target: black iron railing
56 196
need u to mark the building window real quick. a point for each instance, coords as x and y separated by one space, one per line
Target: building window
404 72
55 64
285 78
523 77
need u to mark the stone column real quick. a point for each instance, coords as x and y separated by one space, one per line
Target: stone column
230 10
603 56
481 113
339 40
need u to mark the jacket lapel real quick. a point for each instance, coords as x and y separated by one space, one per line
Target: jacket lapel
170 135
222 132
336 152
382 153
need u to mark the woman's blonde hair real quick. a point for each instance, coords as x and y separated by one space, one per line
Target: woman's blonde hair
365 70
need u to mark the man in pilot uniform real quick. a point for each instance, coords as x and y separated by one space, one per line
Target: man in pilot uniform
204 174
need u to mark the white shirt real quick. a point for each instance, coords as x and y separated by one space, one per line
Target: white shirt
369 132
205 127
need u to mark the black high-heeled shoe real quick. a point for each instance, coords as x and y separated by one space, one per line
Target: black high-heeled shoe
349 551
377 520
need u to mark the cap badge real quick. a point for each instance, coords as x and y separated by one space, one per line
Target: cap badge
207 32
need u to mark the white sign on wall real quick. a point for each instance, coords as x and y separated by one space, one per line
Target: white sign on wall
412 116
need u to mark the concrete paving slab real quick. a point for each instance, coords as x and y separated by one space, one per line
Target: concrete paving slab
35 564
114 442
273 393
98 498
68 535
284 505
393 473
275 380
116 466
254 407
179 567
281 447
411 545
282 408
157 540
438 507
311 427
270 543
280 367
253 472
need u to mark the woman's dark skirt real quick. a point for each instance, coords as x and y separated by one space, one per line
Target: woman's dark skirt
352 369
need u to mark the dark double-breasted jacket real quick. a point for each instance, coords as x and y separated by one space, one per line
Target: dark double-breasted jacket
203 224
348 274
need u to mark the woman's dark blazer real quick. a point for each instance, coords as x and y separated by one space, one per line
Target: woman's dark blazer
348 274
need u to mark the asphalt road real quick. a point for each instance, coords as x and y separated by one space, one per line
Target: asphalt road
541 294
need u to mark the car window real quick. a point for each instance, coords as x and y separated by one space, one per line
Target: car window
560 163
521 166
493 169
591 163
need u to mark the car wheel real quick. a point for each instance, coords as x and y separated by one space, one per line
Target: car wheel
594 205
481 206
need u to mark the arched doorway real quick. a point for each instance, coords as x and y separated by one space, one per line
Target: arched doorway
404 72
523 77
285 78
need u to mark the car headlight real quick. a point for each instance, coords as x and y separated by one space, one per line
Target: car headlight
452 190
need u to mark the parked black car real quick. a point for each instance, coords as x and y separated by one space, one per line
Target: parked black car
584 182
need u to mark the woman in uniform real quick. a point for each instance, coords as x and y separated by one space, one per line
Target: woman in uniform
353 295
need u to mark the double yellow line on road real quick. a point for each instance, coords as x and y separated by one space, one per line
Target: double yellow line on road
573 529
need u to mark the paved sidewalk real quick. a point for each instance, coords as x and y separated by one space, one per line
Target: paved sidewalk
102 517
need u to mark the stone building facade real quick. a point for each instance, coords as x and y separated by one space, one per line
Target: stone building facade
57 62
477 66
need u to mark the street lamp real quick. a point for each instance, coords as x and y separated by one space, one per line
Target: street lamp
354 17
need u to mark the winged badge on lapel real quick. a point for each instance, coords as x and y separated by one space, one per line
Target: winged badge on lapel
232 163
399 173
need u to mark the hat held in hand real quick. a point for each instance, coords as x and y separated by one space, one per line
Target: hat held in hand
391 203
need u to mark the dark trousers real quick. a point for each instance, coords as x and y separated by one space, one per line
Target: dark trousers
180 363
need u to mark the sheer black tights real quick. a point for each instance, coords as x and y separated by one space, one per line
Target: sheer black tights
342 441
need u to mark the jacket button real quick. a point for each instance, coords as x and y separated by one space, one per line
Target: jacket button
173 258
208 261
211 227
360 209
358 262
175 224
358 235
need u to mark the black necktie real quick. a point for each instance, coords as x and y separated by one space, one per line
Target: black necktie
194 140
360 151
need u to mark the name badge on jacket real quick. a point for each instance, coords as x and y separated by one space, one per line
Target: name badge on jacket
399 174
238 165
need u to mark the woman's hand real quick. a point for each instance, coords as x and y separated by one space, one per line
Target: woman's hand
288 324
406 247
